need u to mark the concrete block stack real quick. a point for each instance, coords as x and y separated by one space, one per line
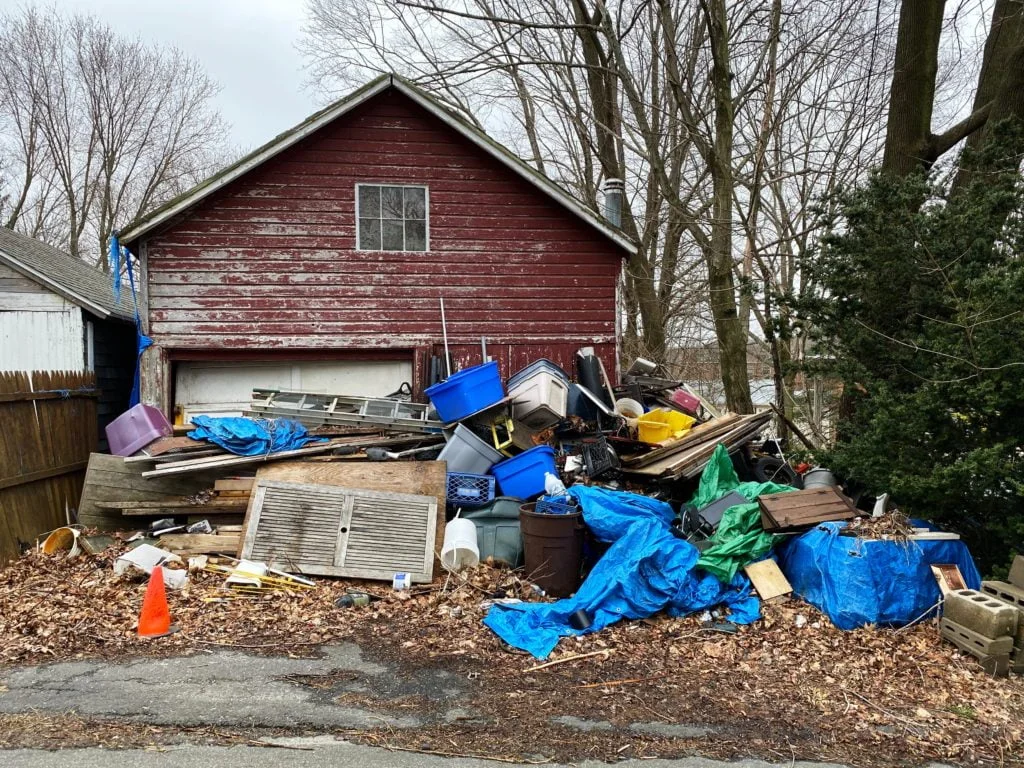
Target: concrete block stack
1011 594
983 626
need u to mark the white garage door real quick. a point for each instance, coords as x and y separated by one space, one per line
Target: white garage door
225 389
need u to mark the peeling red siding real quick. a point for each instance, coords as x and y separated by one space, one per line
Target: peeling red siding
270 261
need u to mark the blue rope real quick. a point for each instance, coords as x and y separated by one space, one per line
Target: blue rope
118 253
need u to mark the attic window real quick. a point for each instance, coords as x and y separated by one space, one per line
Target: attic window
391 218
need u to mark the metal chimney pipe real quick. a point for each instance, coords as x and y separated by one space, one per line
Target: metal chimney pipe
614 199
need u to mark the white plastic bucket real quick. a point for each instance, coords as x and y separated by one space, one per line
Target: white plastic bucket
460 547
63 539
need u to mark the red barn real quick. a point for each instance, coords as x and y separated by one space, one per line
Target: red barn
319 260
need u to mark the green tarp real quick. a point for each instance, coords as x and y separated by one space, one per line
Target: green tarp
740 539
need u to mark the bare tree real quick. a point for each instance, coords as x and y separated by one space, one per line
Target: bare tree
99 128
711 112
999 92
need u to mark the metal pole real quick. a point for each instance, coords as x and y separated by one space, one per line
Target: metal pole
444 330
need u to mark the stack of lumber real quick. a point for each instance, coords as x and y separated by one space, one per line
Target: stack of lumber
182 455
686 457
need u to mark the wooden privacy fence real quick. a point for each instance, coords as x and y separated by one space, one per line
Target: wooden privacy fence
47 430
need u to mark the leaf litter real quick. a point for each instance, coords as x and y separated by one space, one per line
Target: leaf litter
790 686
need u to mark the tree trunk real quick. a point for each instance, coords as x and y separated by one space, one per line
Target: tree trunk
732 337
1001 80
912 95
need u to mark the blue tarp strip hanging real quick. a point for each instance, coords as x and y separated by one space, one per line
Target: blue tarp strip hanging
119 253
646 570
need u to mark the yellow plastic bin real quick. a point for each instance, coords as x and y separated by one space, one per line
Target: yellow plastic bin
663 424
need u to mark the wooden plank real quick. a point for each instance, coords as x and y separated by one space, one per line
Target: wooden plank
164 444
768 579
948 577
418 478
699 434
234 484
109 478
140 506
201 543
217 463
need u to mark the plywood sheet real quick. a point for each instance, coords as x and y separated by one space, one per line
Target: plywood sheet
768 579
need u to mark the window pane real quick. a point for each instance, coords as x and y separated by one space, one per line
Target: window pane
369 202
415 236
415 204
391 202
369 234
392 239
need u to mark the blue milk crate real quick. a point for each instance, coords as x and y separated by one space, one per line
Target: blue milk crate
556 506
469 490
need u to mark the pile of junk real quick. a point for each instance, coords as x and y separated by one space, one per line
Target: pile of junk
617 500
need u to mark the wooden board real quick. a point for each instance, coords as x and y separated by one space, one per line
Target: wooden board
768 579
796 509
948 577
234 484
419 478
200 543
110 479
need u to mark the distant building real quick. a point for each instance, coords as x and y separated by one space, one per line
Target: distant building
58 314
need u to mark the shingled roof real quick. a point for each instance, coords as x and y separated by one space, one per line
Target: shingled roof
72 278
166 212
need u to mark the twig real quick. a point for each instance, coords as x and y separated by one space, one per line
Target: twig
260 742
607 652
629 681
909 723
441 753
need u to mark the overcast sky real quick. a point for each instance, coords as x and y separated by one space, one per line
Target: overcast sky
248 46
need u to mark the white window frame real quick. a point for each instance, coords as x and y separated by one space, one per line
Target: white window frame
426 220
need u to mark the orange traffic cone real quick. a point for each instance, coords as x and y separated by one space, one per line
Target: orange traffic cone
155 619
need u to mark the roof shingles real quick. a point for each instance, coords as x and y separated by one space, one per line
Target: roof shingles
62 273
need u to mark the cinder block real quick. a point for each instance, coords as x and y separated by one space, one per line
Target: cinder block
996 666
1008 593
981 613
971 642
1017 572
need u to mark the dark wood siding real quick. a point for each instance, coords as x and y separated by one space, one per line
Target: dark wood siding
114 348
270 262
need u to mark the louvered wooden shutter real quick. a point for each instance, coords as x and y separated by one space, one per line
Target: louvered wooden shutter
333 531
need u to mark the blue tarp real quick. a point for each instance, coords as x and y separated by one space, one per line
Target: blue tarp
645 570
252 437
858 582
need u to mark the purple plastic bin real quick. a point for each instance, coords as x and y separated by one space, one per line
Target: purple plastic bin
136 428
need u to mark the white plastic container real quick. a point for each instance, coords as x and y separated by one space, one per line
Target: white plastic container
465 452
540 400
460 549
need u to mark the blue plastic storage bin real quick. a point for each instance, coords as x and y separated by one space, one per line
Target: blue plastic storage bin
466 392
523 475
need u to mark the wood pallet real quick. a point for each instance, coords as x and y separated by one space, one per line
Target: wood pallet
795 510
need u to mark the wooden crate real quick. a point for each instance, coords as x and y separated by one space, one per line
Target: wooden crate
801 509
